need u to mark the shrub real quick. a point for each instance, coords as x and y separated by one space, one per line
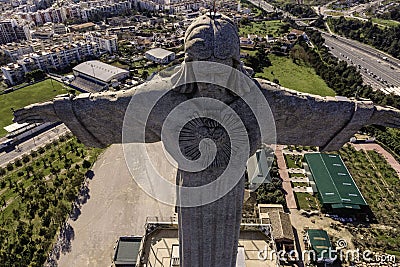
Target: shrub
10 167
86 164
26 158
18 163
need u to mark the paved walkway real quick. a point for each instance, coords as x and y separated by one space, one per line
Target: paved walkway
283 172
117 206
389 158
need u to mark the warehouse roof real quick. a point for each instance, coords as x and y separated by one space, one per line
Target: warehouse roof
99 70
319 241
334 182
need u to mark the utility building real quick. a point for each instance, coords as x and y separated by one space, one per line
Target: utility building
160 56
336 188
94 76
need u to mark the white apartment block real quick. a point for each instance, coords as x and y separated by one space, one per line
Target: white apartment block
12 73
17 50
56 58
108 43
55 15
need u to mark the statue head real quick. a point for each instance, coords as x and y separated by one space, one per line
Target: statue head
211 39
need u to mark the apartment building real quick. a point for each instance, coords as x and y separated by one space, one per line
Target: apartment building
10 31
17 50
108 43
56 58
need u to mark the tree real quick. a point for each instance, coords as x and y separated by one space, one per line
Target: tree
41 150
2 171
16 214
10 166
34 154
86 164
46 219
35 75
26 158
18 163
260 60
145 75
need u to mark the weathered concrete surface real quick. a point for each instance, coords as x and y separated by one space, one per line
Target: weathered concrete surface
117 206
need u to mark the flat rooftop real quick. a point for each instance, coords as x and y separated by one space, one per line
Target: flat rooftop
99 70
160 247
159 53
334 182
127 250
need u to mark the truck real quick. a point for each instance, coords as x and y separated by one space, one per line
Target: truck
6 144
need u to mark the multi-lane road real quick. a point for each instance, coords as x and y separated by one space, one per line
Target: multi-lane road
378 69
33 143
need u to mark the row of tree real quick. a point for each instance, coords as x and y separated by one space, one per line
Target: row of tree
272 193
37 196
300 11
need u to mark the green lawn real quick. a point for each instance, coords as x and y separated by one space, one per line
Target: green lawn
271 27
300 184
306 201
297 77
334 13
39 92
291 175
294 161
120 65
386 22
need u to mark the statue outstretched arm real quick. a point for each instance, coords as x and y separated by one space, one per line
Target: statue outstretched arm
99 119
94 118
327 122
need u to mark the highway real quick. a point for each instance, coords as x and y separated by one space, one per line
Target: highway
32 144
379 73
264 5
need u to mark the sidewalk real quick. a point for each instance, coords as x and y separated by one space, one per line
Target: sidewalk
283 172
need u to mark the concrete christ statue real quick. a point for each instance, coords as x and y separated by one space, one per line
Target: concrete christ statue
208 232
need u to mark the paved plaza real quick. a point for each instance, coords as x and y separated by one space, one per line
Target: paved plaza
116 207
